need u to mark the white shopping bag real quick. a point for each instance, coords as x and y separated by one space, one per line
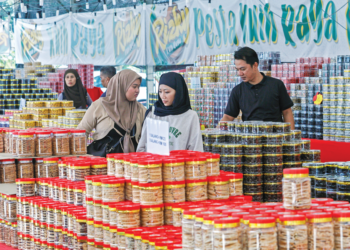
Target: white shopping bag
157 136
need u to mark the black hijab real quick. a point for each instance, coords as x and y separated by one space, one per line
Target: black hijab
181 102
77 93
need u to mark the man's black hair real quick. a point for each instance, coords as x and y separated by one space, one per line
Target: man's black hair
248 55
108 71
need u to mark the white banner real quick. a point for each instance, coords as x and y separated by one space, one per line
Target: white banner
86 38
177 34
299 28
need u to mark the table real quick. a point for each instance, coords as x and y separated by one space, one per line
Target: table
332 150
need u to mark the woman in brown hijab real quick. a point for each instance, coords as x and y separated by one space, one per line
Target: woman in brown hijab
118 115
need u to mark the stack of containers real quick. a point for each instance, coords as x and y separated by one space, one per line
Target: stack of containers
218 76
330 180
86 73
259 150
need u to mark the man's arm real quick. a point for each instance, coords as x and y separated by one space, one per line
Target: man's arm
227 118
288 117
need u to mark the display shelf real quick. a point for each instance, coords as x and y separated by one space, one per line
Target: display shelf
4 156
8 189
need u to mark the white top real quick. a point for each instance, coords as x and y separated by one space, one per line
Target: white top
184 132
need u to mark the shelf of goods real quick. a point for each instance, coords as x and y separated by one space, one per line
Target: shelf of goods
183 201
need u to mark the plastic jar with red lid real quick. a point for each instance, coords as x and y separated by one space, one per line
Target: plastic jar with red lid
196 168
98 214
43 143
173 169
218 187
227 232
128 216
98 234
152 215
341 220
79 195
127 167
25 168
25 144
105 212
79 170
25 187
82 242
151 193
8 171
236 184
97 187
213 164
135 191
61 143
110 164
50 168
78 142
289 226
296 188
150 171
196 190
188 221
207 230
119 165
113 189
174 192
320 227
99 166
262 232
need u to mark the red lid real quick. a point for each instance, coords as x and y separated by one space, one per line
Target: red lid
61 132
80 164
26 133
211 156
321 200
76 131
262 220
170 160
146 161
195 181
113 180
235 176
51 159
318 215
271 204
218 178
227 220
152 206
291 217
43 132
196 158
158 184
91 177
112 155
336 203
212 217
128 207
341 214
26 159
25 179
174 183
296 171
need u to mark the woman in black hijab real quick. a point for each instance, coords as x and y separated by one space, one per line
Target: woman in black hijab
174 106
74 90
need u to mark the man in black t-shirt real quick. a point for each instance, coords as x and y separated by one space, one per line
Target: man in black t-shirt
259 97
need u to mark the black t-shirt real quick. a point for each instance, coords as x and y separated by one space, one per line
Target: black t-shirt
264 101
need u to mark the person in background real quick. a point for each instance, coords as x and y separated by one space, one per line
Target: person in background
106 74
118 115
259 97
174 106
74 90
